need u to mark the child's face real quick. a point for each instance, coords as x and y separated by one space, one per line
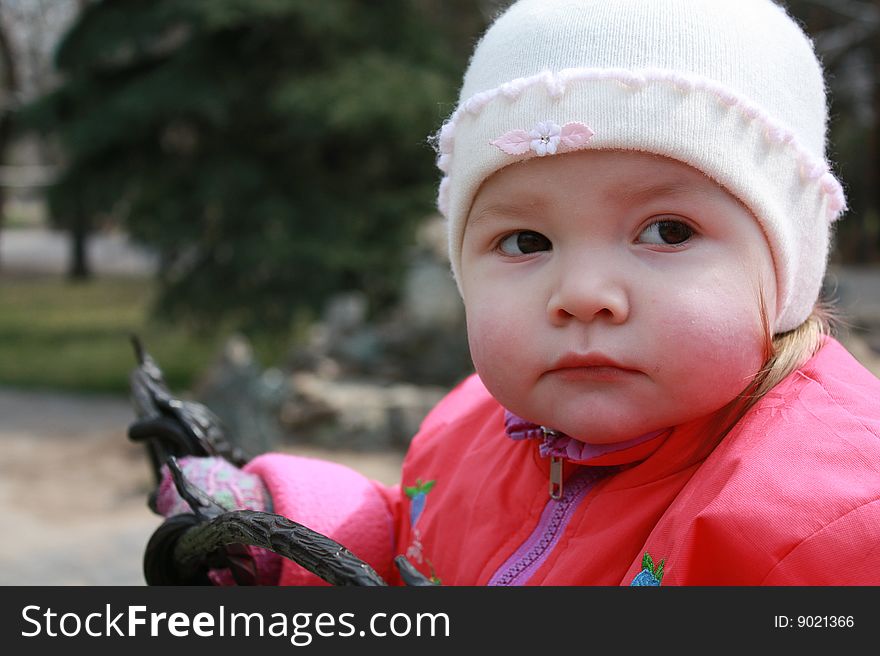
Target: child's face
611 293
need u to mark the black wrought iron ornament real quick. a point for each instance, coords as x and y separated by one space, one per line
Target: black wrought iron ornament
185 547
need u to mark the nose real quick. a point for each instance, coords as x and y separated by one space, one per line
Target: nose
587 290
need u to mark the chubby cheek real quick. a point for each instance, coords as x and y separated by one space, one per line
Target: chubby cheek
712 348
498 348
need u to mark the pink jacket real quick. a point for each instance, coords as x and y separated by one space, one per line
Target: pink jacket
790 497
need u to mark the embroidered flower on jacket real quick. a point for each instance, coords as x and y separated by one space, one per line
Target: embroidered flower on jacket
651 574
418 494
546 138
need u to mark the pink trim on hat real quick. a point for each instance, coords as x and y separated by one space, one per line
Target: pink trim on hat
811 167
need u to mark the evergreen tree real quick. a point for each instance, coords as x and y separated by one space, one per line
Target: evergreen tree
272 151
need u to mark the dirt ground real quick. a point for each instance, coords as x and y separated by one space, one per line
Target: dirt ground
73 490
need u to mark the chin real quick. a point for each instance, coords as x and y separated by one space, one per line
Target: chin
600 430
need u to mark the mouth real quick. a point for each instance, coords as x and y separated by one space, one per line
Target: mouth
590 367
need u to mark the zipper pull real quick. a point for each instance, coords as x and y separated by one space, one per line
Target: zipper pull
555 477
555 468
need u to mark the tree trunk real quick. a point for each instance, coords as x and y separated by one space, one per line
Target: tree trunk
873 172
5 131
80 268
8 99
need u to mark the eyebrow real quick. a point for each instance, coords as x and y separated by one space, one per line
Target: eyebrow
640 193
508 209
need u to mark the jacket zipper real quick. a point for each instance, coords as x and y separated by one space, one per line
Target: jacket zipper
533 552
556 477
555 468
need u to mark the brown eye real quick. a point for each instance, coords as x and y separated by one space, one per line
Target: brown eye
524 242
666 233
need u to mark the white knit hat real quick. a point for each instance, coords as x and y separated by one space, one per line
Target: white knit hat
733 89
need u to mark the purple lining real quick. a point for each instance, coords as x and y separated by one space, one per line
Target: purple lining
563 446
533 552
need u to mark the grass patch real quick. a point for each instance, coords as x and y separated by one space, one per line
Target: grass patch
75 336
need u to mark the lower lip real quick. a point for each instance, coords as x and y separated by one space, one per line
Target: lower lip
593 374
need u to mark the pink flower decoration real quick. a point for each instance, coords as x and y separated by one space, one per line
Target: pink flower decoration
575 135
515 142
546 138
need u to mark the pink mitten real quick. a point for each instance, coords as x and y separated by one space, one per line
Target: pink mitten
233 489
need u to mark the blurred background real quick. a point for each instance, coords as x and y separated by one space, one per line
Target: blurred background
247 186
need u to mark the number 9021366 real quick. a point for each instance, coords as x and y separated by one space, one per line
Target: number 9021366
824 621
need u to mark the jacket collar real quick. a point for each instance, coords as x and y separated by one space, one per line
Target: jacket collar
555 444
